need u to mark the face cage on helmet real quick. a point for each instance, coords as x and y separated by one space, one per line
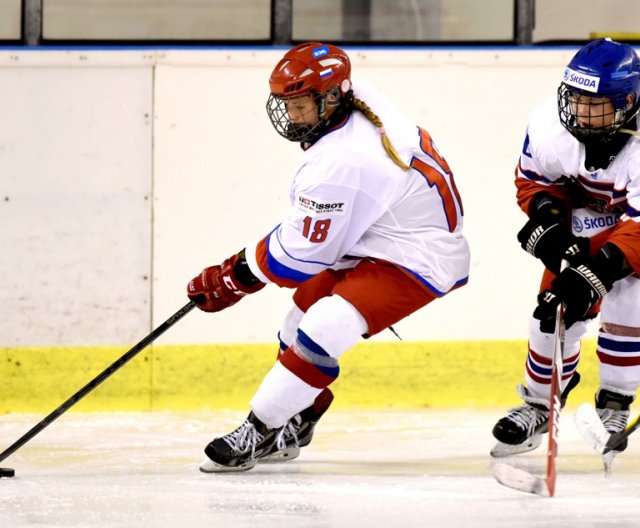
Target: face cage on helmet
568 100
299 133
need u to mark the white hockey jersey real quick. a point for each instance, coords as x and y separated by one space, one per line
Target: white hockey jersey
604 201
351 201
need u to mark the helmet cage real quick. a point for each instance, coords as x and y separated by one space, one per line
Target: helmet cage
277 109
568 101
603 73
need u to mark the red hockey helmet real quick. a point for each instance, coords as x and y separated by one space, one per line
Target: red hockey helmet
311 67
321 71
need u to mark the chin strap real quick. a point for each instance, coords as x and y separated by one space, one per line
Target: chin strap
630 132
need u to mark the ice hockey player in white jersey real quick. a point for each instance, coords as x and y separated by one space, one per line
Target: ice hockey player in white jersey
578 180
374 233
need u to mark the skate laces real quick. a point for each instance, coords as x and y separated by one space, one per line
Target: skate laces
244 437
287 436
613 420
527 417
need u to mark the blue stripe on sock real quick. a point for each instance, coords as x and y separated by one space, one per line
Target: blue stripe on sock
309 343
619 346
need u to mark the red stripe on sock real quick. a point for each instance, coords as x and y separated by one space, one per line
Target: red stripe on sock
536 378
540 359
617 361
304 370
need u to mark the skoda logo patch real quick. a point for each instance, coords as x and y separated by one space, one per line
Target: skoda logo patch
577 224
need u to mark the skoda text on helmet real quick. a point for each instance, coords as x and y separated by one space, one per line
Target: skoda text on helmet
314 72
602 81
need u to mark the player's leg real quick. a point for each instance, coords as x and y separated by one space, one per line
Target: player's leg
298 431
365 301
619 354
257 438
358 286
361 286
520 430
302 372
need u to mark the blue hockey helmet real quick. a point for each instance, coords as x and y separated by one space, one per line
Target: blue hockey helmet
602 69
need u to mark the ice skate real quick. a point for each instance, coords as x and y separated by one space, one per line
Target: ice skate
613 410
522 429
298 431
239 450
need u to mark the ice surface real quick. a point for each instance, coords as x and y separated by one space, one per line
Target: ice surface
383 468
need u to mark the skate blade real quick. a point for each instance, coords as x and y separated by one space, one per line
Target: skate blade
607 462
504 450
284 455
209 466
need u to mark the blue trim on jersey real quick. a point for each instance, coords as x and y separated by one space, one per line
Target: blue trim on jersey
431 287
619 346
427 154
526 151
291 256
284 272
432 186
633 213
602 186
533 176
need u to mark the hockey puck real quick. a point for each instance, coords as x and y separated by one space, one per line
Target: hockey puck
7 472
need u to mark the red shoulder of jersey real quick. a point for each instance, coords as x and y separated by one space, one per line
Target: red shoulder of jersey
626 236
527 189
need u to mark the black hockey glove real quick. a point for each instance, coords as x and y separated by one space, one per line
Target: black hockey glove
548 237
580 287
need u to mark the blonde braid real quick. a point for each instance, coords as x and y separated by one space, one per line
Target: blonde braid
386 142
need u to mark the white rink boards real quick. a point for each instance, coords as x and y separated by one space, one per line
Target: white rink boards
381 468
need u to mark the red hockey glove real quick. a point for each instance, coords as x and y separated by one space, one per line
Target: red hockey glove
218 287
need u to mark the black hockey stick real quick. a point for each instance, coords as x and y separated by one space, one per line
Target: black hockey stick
97 381
617 438
591 427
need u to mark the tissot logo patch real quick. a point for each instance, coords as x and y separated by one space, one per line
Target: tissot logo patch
315 207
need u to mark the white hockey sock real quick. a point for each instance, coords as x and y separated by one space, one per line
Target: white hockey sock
330 327
540 357
280 396
619 361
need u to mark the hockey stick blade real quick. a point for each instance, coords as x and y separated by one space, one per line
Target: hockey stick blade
592 429
519 479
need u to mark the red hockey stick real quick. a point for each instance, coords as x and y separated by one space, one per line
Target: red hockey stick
520 479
